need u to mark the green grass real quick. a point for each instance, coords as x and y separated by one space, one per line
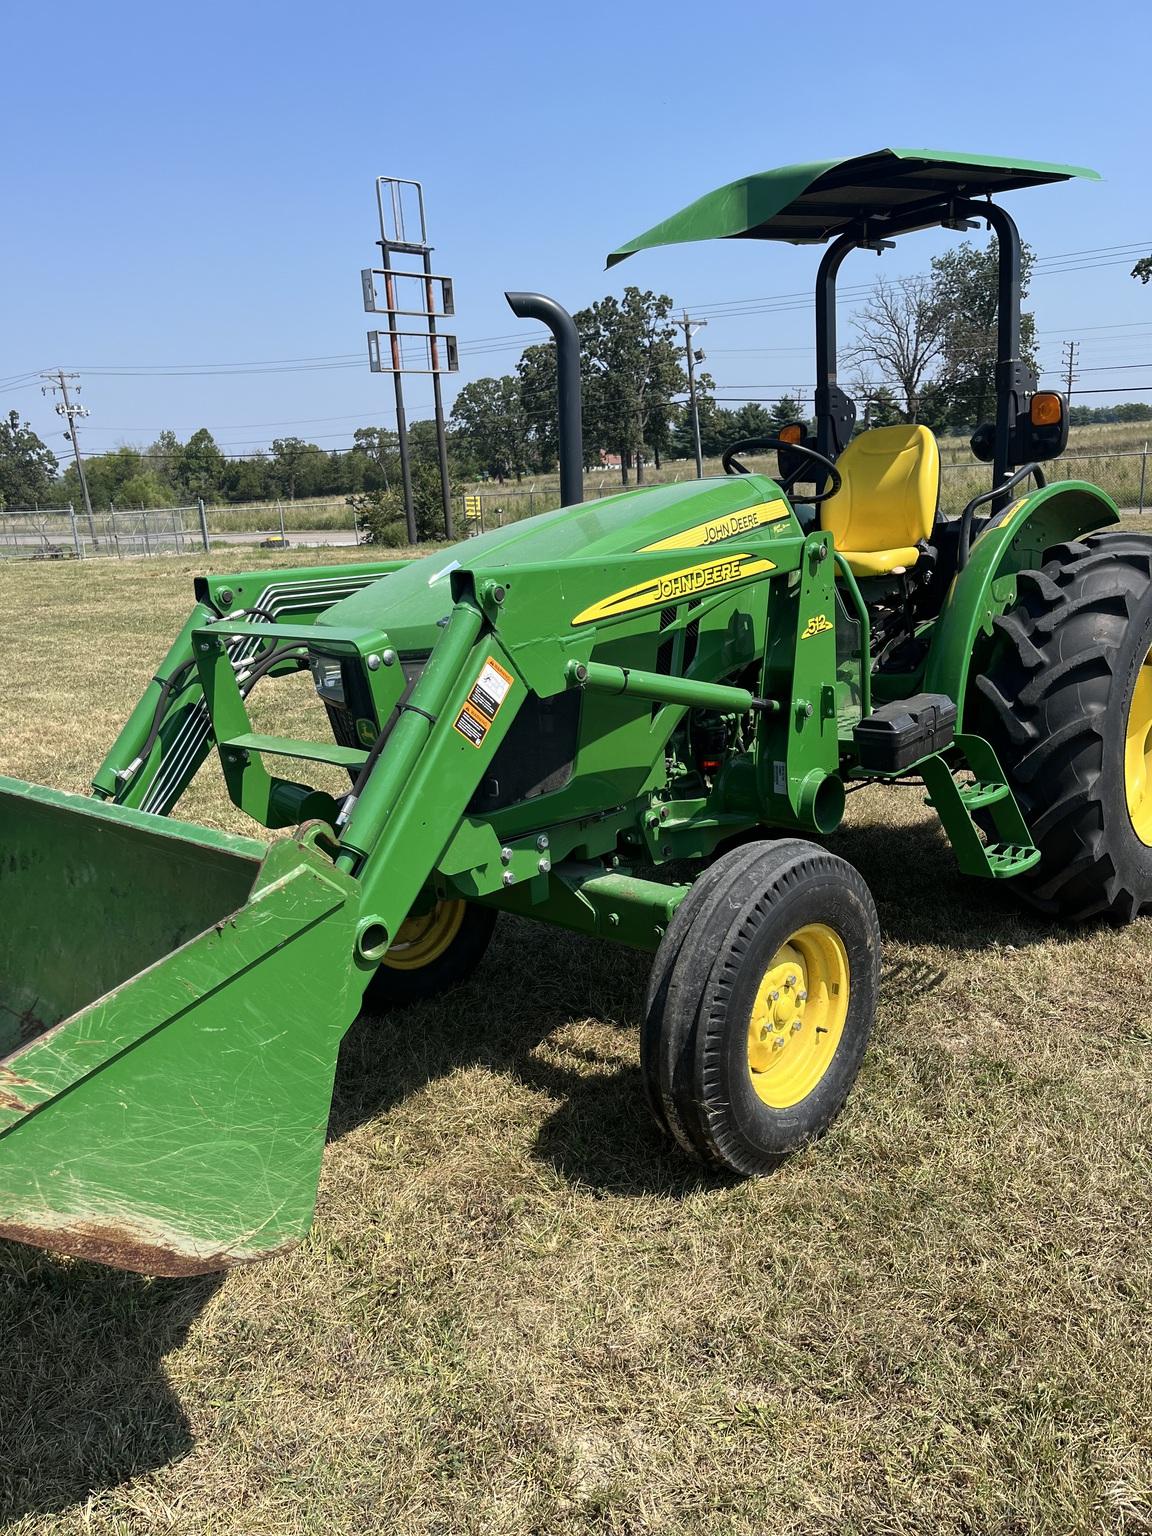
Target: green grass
324 515
521 1312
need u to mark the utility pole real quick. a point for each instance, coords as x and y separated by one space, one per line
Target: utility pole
690 327
70 410
437 397
1069 359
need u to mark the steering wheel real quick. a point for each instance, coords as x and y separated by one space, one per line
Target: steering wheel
806 455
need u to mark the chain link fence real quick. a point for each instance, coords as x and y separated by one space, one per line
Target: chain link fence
65 533
62 533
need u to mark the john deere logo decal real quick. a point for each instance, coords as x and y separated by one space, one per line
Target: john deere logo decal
719 528
674 586
817 625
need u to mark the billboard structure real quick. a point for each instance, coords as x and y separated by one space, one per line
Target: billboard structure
413 299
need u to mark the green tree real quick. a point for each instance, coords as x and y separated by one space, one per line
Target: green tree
27 465
378 449
245 480
489 421
964 287
877 405
540 406
380 514
718 428
109 475
164 462
298 469
200 469
784 410
1143 269
141 490
632 370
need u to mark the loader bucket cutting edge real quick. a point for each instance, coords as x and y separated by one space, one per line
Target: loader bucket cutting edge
171 1006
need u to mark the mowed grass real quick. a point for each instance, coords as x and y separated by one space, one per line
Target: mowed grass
520 1311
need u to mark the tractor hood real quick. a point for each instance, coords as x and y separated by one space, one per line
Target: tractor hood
689 515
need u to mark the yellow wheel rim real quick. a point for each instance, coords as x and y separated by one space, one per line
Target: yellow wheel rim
1138 754
798 1016
424 938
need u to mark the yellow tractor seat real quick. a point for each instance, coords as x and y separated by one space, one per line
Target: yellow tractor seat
887 502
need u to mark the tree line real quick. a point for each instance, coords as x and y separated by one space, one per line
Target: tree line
169 472
923 351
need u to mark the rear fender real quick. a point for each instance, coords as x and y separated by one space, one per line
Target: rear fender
986 586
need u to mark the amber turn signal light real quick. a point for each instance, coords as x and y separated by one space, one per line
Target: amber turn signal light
1046 409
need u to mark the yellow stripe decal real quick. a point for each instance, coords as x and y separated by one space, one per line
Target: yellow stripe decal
1011 516
675 586
718 528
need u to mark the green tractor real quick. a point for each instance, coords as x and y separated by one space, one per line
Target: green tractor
536 722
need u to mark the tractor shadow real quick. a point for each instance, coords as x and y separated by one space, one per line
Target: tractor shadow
86 1403
560 1014
923 899
557 1013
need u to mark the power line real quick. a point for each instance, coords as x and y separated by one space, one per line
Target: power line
692 356
1068 357
70 410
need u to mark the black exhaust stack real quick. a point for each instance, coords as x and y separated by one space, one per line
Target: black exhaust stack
534 306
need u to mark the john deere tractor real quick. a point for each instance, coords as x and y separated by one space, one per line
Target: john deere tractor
537 721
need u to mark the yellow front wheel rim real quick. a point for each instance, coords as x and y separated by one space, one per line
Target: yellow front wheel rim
426 937
798 1016
1138 754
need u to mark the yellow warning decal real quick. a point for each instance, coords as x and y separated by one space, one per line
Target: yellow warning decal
483 703
674 586
1010 517
719 528
817 625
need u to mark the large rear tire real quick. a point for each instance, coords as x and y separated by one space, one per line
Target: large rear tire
761 1003
1066 700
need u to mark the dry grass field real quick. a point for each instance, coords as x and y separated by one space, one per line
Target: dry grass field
519 1312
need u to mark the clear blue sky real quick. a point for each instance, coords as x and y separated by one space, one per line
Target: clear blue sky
194 184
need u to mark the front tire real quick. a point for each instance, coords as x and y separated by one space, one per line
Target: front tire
761 1004
1066 701
433 952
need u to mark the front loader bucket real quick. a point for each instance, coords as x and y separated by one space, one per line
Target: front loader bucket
171 1006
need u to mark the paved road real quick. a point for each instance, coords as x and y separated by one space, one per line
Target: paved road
305 538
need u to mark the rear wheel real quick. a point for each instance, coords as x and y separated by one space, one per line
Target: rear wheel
1066 700
433 951
761 1004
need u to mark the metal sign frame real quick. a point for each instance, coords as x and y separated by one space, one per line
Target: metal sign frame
378 360
396 277
399 204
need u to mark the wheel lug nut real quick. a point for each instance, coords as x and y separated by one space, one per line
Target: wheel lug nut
775 997
790 982
778 1043
795 1025
802 997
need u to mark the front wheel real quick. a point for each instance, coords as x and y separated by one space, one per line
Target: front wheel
761 1004
432 952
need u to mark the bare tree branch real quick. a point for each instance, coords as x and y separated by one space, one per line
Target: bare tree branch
900 334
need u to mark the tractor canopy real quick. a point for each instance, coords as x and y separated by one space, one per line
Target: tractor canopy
809 204
866 201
